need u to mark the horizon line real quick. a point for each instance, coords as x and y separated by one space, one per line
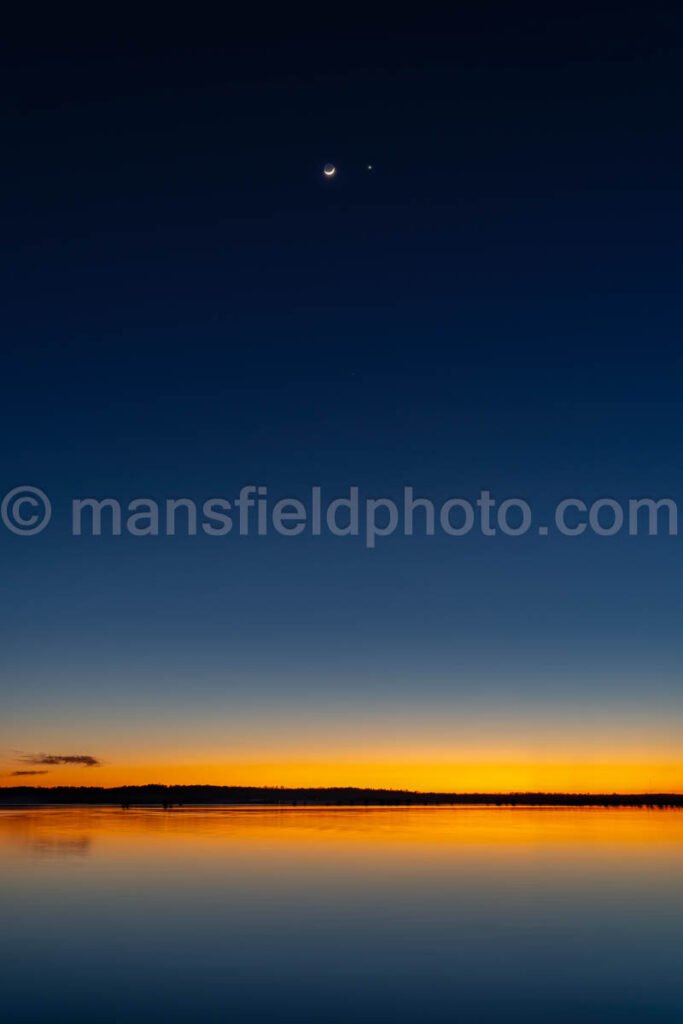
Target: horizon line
444 795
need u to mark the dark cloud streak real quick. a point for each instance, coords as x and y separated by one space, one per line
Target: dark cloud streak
84 760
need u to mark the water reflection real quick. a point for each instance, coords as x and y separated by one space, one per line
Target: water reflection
327 915
46 846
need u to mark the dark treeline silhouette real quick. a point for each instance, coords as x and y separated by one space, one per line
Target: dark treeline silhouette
170 796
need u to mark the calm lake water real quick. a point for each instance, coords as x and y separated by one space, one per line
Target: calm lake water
465 914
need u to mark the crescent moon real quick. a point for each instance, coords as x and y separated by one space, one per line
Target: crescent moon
329 170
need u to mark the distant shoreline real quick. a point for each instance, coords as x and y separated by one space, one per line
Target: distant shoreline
257 796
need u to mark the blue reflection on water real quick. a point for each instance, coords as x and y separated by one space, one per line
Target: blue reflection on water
318 915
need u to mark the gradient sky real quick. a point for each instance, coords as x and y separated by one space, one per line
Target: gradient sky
189 307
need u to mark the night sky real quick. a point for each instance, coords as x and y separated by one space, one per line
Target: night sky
189 307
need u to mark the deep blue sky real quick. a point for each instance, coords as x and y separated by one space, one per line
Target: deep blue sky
188 307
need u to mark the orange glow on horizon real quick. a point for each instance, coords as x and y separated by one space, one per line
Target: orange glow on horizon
422 774
485 755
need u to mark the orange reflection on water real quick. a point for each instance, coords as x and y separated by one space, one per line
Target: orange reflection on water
274 832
